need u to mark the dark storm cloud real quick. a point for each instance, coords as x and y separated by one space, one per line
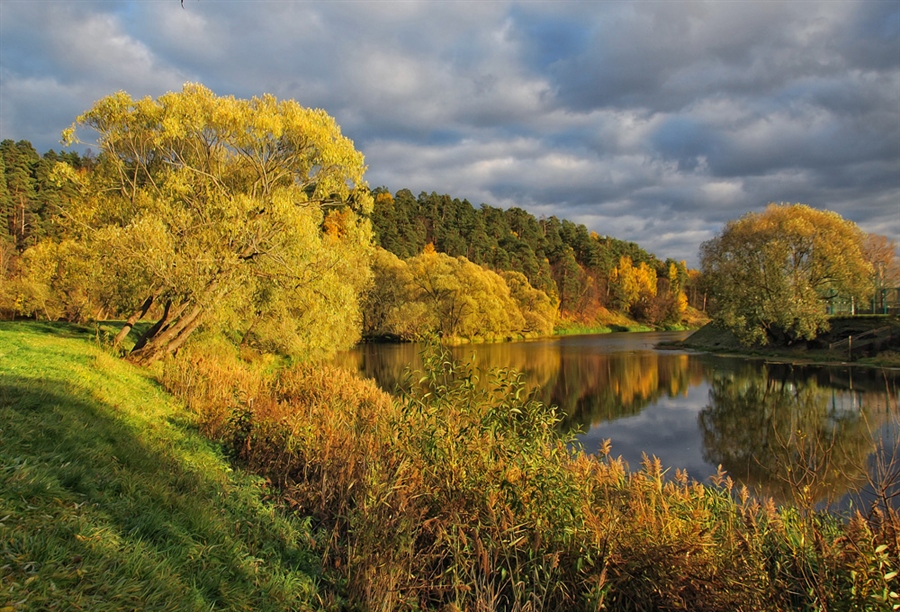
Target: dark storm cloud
664 56
653 121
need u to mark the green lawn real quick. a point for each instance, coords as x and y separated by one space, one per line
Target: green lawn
111 500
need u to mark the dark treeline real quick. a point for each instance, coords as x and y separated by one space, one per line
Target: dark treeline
29 197
583 272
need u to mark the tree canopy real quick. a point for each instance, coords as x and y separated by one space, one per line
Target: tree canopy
576 269
217 209
769 272
434 293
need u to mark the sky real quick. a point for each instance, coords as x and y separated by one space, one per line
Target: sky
649 121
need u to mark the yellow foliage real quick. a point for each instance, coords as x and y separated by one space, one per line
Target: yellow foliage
434 292
633 283
770 271
384 198
217 206
339 222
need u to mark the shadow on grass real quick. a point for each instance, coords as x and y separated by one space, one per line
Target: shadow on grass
95 514
104 331
52 328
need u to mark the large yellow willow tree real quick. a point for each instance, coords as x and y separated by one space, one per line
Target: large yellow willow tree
239 214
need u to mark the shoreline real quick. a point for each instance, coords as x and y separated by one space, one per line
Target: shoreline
720 342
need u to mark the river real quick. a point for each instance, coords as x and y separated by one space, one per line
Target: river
774 427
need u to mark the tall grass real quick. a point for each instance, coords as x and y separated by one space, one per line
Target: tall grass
460 495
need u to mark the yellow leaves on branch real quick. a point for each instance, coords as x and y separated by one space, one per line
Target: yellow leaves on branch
228 143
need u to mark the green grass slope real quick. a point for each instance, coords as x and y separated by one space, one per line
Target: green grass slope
111 500
876 341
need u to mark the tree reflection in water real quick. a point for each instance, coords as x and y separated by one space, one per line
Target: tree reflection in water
597 388
779 429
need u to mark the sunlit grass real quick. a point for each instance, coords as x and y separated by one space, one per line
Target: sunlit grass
577 329
111 500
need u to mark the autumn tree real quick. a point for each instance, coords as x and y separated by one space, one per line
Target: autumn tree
634 286
678 278
391 308
881 253
435 293
669 305
214 209
59 280
466 299
537 308
769 272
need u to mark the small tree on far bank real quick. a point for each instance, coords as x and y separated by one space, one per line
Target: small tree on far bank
769 273
881 252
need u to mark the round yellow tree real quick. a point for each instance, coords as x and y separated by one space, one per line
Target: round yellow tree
771 272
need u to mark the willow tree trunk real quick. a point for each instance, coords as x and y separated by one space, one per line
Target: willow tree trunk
175 326
168 335
134 318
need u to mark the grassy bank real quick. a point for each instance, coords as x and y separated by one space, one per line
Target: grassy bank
457 496
110 499
834 346
607 321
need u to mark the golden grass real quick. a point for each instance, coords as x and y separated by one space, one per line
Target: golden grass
462 496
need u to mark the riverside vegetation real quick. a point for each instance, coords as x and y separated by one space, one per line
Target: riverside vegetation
456 495
233 470
253 216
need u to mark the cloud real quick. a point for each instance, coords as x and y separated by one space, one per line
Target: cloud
57 63
651 122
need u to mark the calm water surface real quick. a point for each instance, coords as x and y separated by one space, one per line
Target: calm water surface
767 424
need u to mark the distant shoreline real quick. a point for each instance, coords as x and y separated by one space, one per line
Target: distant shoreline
886 354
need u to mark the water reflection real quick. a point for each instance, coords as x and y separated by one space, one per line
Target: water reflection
589 380
770 426
786 429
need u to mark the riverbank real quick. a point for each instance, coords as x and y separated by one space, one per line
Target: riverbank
110 499
606 321
861 340
339 496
